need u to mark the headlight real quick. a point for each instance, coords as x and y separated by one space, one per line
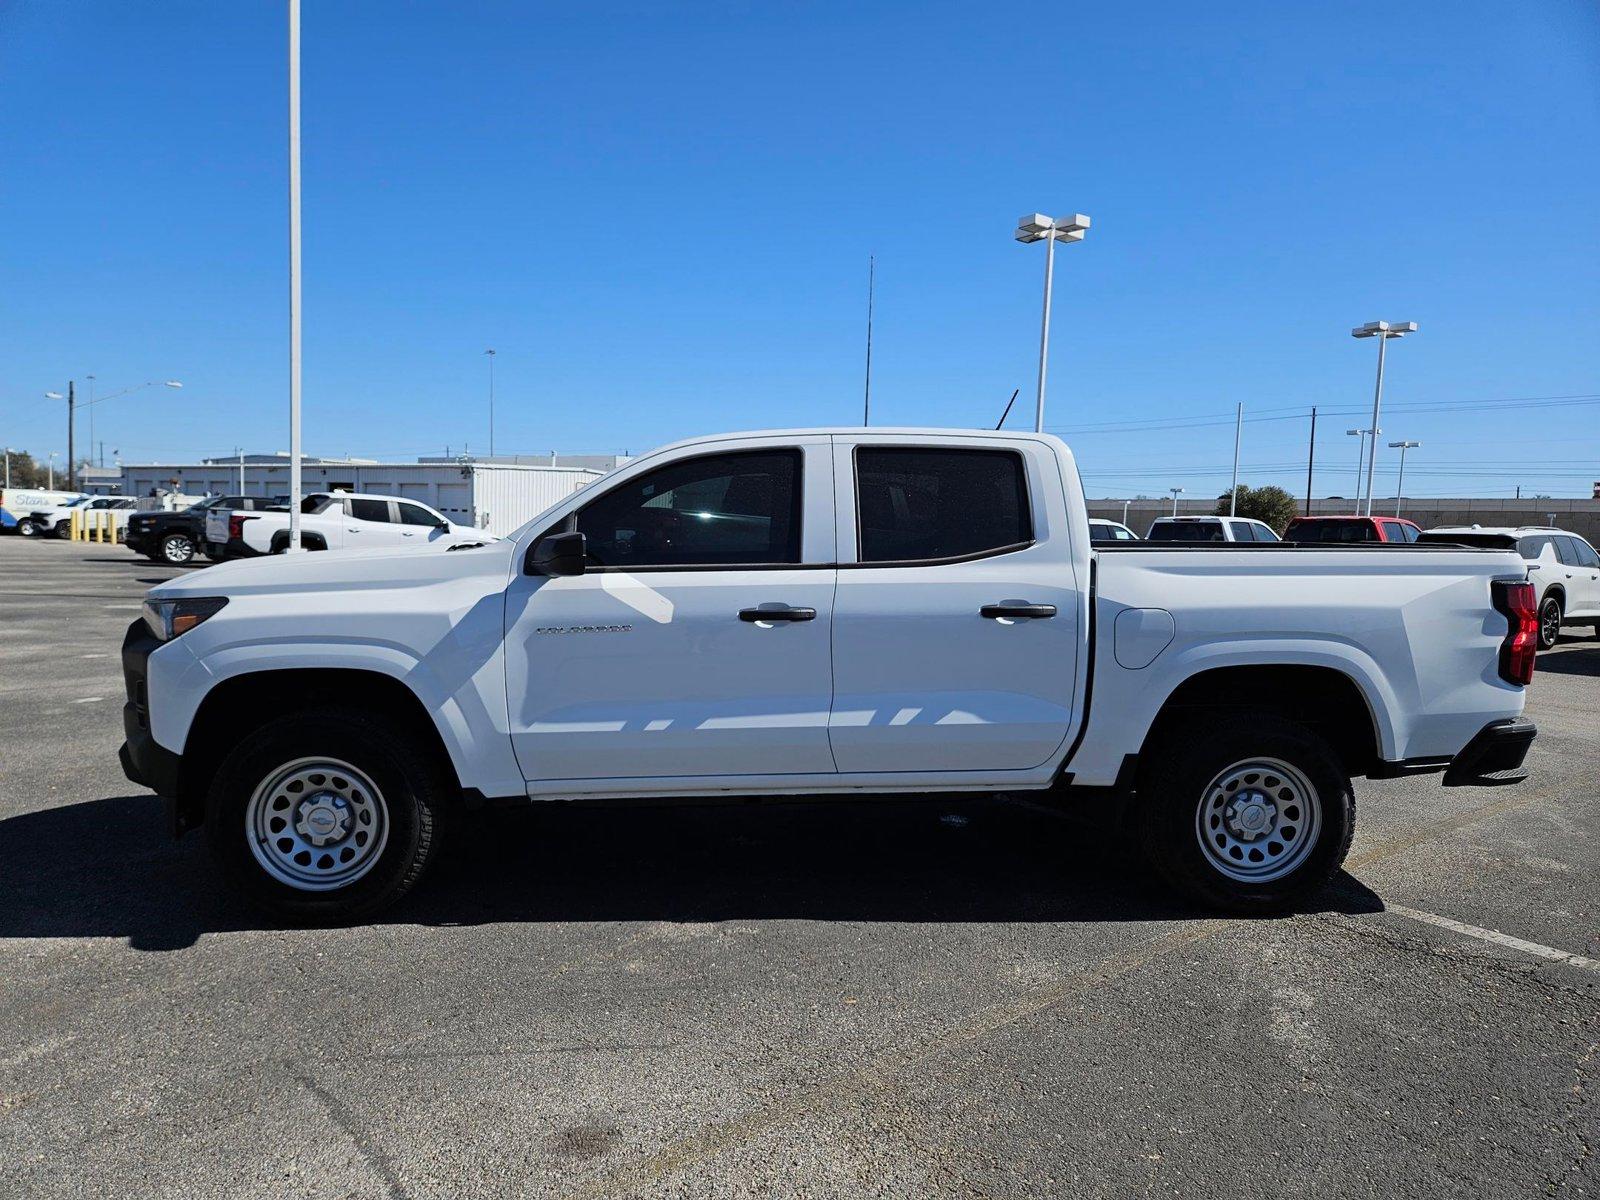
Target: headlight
168 618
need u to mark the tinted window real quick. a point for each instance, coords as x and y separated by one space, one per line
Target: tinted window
1123 534
415 514
369 510
1329 531
1242 531
1393 531
1532 547
1487 541
723 509
916 504
1585 552
1410 532
1565 550
1187 531
1265 533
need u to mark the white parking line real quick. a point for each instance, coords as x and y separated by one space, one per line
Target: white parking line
1496 938
126 606
94 656
89 700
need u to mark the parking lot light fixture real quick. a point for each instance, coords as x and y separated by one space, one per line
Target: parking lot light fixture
1383 331
1036 227
1400 483
1176 492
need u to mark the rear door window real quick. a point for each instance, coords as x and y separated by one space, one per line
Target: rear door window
918 505
369 510
415 514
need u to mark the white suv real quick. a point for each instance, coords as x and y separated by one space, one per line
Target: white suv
1563 567
1210 529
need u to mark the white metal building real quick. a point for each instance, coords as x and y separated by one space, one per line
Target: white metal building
496 497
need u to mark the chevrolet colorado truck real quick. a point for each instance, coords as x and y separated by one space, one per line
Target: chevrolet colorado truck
836 611
337 521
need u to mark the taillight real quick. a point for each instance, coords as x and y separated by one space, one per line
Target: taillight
236 525
1514 599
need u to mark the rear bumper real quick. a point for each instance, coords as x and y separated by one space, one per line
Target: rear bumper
1494 755
144 761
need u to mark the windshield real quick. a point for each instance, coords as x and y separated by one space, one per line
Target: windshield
1187 531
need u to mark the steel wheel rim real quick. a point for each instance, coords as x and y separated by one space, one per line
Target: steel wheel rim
1258 820
1550 623
317 824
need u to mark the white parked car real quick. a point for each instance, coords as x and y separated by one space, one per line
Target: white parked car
1101 530
17 506
57 519
1210 529
337 521
1563 567
848 611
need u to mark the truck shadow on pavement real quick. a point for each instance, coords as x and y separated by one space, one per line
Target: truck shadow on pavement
1571 660
106 868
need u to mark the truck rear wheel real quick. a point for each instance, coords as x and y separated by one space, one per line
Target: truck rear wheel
1245 811
177 549
325 816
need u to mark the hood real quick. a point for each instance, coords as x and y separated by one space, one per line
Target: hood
340 570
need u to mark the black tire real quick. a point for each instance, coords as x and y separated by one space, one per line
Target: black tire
413 787
63 530
1185 771
176 550
1549 622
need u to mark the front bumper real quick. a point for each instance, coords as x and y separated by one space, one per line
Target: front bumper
1494 755
144 761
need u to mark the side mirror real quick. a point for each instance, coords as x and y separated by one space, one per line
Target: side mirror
443 526
557 554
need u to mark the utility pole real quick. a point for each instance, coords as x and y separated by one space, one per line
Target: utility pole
1311 457
1238 428
866 402
72 470
490 353
90 407
294 275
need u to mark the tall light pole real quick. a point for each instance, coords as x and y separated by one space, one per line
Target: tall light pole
1401 482
490 353
52 485
1383 331
294 275
1361 460
1176 492
1036 227
72 399
93 400
90 407
1238 428
8 466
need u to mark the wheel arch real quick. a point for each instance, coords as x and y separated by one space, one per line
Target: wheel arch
1323 698
242 703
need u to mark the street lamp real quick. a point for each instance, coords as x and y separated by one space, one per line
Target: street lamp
9 453
490 353
1176 492
1036 227
72 405
1361 459
1383 331
1401 482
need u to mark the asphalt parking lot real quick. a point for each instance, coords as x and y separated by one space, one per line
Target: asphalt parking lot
838 999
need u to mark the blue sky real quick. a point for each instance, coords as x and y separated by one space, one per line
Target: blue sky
660 217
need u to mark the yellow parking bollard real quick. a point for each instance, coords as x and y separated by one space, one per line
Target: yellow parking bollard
74 524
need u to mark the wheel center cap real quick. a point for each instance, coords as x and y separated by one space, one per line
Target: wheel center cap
1250 815
323 818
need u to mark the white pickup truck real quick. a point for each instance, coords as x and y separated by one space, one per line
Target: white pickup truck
336 521
846 611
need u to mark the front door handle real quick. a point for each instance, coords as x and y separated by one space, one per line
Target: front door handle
777 614
1017 611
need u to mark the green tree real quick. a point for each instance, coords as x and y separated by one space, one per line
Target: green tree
1270 504
25 473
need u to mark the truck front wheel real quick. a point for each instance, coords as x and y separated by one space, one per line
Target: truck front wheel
324 815
1245 811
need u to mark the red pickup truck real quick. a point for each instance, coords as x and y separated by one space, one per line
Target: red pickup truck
1350 529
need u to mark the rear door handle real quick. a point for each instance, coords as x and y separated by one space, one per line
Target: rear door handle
777 614
1016 611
